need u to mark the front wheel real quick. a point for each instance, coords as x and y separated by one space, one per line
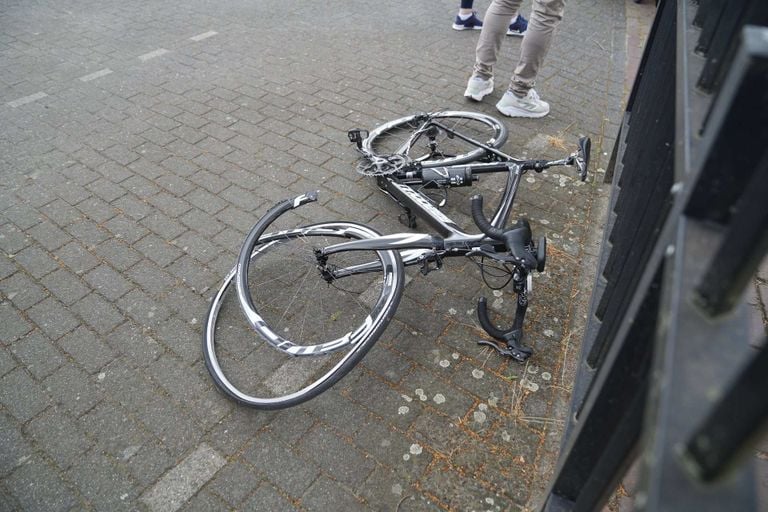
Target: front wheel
312 328
419 140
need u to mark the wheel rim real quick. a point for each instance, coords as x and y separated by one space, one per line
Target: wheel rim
237 370
391 137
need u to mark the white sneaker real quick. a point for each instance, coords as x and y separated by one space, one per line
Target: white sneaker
529 106
477 88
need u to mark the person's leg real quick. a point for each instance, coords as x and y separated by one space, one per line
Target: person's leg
495 27
465 6
546 15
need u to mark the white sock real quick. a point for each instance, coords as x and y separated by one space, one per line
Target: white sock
513 19
465 16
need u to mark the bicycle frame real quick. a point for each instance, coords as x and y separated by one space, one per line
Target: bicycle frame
451 239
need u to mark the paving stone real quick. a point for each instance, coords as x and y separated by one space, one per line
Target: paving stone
36 261
77 258
234 483
12 239
99 314
102 484
117 253
183 481
16 450
108 282
37 487
126 229
169 423
136 342
14 325
73 389
85 348
49 236
7 363
283 468
114 431
39 355
65 286
53 318
266 499
59 436
22 396
88 232
7 266
325 494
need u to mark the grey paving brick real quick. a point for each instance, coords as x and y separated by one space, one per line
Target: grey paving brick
196 246
170 424
37 487
36 261
169 205
85 348
96 209
53 318
108 282
330 451
205 200
39 355
143 308
99 314
7 363
106 190
284 468
7 266
73 389
234 483
59 436
12 239
193 273
141 187
77 258
326 493
22 396
62 213
117 253
114 431
16 450
125 228
65 286
158 250
147 464
135 342
103 485
14 324
164 226
132 207
267 498
183 481
88 233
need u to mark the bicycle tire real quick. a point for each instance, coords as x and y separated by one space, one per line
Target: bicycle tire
386 139
258 374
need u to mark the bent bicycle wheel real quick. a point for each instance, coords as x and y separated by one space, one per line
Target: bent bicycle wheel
312 329
437 147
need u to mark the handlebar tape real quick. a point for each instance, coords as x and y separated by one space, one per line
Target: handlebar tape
516 239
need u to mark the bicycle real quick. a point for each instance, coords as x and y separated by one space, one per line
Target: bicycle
346 279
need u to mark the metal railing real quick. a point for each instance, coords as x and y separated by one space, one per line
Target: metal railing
667 379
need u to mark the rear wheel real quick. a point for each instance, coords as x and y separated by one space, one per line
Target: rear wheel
434 146
312 328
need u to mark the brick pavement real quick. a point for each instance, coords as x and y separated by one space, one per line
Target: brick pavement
139 143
